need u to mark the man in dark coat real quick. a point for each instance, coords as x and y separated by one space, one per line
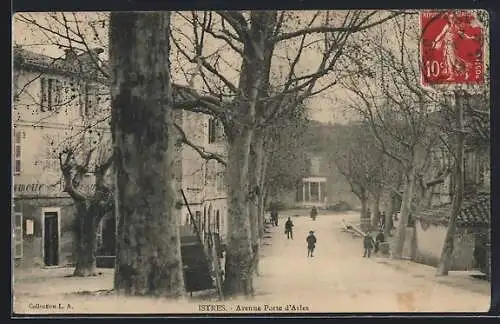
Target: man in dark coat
379 239
367 245
314 213
289 228
274 217
311 243
382 219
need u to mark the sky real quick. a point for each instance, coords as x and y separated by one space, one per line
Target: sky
329 106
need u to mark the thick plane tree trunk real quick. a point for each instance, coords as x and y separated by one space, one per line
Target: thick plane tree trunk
148 260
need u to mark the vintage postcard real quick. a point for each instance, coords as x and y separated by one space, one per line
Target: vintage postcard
251 162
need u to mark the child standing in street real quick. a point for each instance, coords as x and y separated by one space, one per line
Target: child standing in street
368 245
311 243
289 228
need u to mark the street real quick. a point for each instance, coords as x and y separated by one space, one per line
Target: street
336 279
339 279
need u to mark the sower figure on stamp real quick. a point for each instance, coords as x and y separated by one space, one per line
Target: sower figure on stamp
311 244
289 228
367 245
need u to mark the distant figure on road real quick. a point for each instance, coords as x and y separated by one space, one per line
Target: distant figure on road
289 228
314 213
274 216
380 238
382 219
311 243
367 245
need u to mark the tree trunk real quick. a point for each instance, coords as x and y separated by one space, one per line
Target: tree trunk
447 251
263 192
388 217
404 215
376 209
86 242
262 210
148 260
364 210
238 277
255 177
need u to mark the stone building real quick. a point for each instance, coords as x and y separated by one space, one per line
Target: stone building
430 222
54 100
59 99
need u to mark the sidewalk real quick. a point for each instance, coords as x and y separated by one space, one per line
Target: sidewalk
456 279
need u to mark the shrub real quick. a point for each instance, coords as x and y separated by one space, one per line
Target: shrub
278 205
339 206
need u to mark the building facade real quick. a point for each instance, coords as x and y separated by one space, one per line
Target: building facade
54 101
203 181
472 237
323 186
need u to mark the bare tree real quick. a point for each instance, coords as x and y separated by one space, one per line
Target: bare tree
245 103
148 260
76 163
250 104
354 152
458 190
392 101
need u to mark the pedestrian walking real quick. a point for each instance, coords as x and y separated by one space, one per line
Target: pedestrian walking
311 244
367 245
380 238
274 216
289 228
314 213
382 220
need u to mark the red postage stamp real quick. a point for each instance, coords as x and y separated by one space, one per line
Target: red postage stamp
451 48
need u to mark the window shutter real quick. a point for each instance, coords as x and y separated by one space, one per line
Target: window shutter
50 94
43 94
18 230
58 92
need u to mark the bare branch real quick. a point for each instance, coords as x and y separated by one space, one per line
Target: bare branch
203 154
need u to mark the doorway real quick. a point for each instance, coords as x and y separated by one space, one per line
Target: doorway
51 238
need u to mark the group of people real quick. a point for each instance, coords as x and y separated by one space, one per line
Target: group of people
370 244
382 219
311 238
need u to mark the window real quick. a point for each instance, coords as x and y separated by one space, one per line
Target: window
210 173
215 130
89 94
17 152
217 222
220 181
211 130
18 235
51 90
314 187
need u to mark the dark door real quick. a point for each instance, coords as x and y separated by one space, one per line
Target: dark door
51 239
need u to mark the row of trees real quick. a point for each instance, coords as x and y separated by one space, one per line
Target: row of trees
251 100
401 124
